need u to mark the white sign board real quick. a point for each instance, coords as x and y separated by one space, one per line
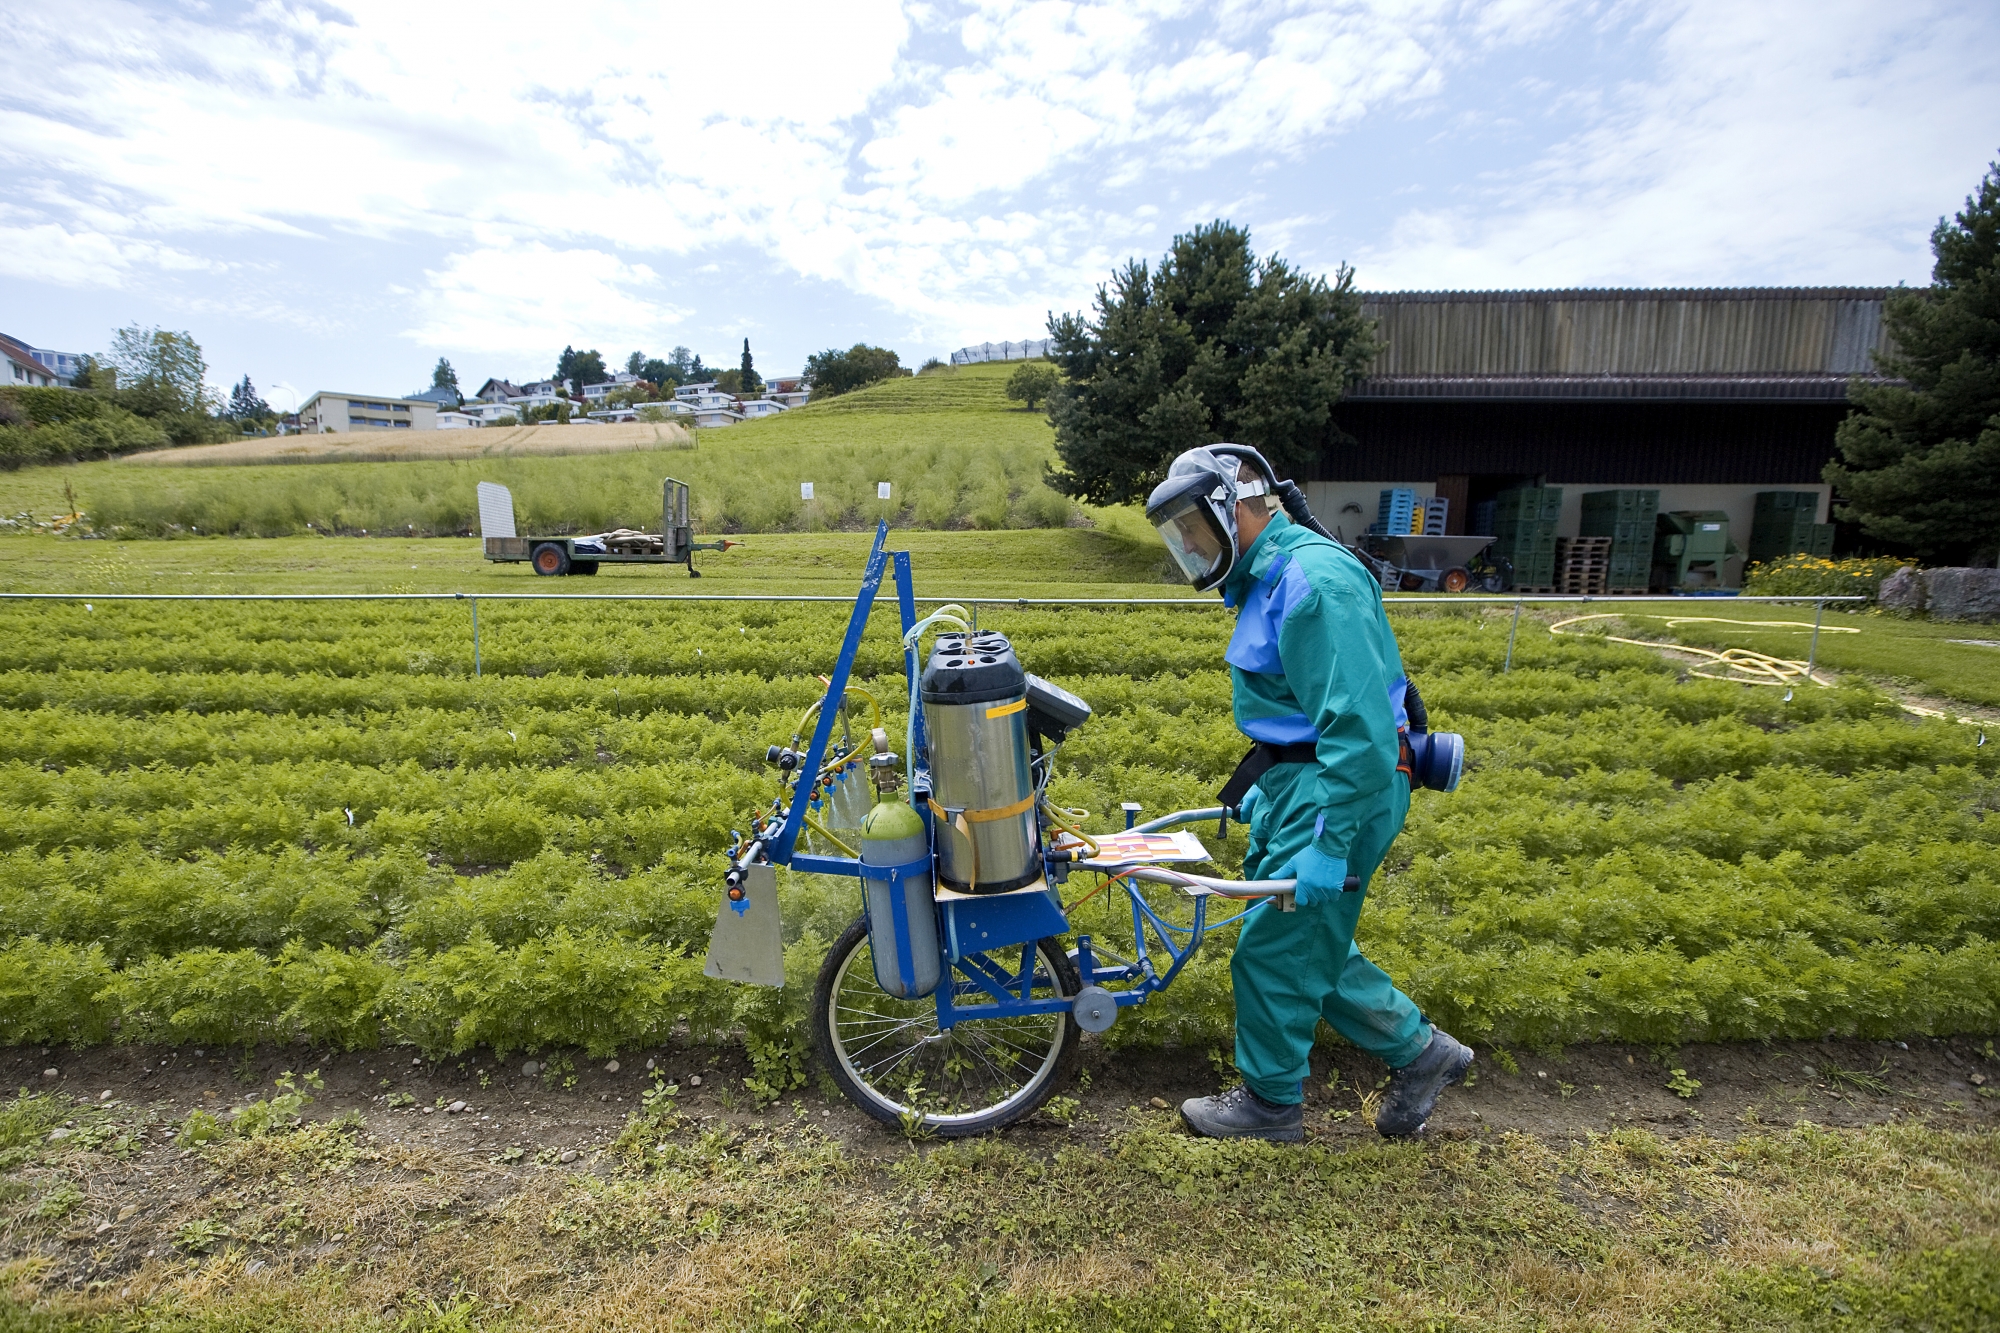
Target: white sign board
881 490
805 490
496 510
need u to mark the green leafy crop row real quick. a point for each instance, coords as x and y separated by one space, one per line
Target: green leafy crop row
249 822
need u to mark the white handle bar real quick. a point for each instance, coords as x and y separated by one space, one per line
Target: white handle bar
1221 888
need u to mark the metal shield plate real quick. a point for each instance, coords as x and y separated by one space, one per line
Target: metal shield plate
749 946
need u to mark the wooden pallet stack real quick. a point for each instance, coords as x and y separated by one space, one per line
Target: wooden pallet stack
1583 565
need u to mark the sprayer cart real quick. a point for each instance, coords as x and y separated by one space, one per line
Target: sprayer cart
951 1004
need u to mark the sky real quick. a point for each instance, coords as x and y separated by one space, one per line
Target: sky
334 196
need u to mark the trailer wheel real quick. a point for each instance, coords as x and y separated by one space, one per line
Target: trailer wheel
1455 579
889 1057
583 566
550 560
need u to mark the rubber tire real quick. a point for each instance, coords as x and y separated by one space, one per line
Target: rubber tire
1455 579
1060 1073
583 566
549 560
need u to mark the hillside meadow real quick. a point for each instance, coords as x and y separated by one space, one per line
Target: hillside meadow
956 452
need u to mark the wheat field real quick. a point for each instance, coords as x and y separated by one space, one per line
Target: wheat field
550 440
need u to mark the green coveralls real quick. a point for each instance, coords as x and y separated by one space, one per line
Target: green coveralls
1313 659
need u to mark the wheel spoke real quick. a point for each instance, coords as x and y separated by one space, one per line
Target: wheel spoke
886 1048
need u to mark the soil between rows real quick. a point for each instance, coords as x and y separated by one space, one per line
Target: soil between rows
132 1207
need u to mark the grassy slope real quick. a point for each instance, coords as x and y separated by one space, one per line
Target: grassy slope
957 452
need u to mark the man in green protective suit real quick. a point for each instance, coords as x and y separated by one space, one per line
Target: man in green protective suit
1319 686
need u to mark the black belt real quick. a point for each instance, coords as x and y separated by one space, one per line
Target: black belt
1263 757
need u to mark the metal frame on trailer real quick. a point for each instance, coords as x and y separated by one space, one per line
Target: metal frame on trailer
999 921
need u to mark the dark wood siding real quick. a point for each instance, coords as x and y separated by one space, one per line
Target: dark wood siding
1612 444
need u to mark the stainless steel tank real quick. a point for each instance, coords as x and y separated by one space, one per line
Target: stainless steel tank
983 805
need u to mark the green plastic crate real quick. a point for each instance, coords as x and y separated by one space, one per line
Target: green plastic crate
1772 502
1542 503
1602 508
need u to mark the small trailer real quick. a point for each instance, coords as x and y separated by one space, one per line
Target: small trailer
554 557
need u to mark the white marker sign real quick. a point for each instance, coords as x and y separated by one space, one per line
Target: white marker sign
805 490
881 490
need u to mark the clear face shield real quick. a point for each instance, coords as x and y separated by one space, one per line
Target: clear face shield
1194 538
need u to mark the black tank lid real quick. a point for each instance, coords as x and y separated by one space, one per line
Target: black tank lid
972 669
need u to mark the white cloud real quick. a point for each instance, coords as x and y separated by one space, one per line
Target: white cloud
1785 139
48 252
967 166
527 298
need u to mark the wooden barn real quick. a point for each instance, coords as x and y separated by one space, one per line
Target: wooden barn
1709 396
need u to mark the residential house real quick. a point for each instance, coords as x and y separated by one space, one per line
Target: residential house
443 395
21 367
458 421
677 410
66 365
343 412
497 391
709 418
490 414
788 390
752 408
596 393
707 398
685 391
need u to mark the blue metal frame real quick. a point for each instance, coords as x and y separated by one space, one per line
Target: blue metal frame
1021 918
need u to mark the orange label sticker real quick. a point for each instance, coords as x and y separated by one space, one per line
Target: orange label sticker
1002 710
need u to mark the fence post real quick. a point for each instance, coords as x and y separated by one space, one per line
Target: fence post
475 634
1509 665
1812 656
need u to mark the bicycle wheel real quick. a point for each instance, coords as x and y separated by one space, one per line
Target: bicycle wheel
892 1060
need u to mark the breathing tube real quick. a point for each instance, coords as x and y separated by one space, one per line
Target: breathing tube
1289 493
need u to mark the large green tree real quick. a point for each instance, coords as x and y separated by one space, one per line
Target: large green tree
835 372
160 372
1214 344
581 367
1919 460
162 375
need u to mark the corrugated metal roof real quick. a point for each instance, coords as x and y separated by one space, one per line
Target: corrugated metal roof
1769 331
1642 294
1625 388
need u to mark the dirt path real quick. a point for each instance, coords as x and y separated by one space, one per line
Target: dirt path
412 1154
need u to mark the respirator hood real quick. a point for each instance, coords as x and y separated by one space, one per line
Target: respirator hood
1195 510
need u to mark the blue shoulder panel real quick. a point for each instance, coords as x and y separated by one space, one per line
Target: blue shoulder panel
1266 607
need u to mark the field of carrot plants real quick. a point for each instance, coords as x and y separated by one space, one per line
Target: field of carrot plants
234 823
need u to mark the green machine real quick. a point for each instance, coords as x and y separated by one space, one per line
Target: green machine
1691 550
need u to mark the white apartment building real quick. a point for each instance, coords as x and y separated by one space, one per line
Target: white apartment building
343 412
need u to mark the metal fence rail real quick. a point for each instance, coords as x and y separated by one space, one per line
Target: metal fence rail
1434 600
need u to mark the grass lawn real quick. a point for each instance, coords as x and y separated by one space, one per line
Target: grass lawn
1920 655
1117 558
701 1223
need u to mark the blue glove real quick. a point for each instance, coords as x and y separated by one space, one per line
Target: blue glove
1248 805
1321 878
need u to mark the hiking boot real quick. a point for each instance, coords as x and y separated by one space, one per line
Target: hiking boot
1242 1114
1415 1088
